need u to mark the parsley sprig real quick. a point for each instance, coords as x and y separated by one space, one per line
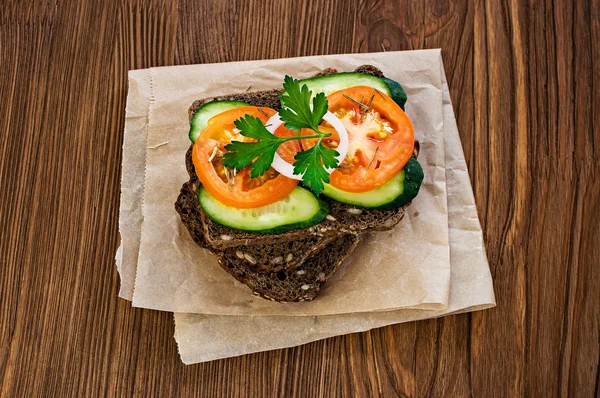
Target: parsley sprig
297 113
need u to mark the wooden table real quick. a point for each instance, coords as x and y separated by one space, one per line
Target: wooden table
522 80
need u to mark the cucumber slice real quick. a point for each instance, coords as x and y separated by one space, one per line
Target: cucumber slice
397 192
343 80
300 209
398 94
208 110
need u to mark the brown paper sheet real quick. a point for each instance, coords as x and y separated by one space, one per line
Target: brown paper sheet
132 179
408 267
207 337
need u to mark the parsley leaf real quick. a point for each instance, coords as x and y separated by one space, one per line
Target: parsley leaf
312 164
241 154
297 113
295 106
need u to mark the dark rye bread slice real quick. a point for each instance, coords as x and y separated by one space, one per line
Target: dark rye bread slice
314 260
276 257
342 218
300 283
269 98
256 257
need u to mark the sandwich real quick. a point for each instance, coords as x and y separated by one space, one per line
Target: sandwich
285 183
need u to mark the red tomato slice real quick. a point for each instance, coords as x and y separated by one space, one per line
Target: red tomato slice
240 190
380 133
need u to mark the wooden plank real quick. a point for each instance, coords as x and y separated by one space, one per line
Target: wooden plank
522 80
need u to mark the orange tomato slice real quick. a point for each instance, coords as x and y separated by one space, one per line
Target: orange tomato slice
240 190
380 133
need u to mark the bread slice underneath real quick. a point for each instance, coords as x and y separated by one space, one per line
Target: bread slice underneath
300 283
292 271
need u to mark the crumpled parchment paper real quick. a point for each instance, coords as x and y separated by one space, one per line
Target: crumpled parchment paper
408 267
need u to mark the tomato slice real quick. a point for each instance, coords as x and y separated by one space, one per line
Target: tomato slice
380 133
239 190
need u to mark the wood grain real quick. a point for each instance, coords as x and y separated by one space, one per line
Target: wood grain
523 79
